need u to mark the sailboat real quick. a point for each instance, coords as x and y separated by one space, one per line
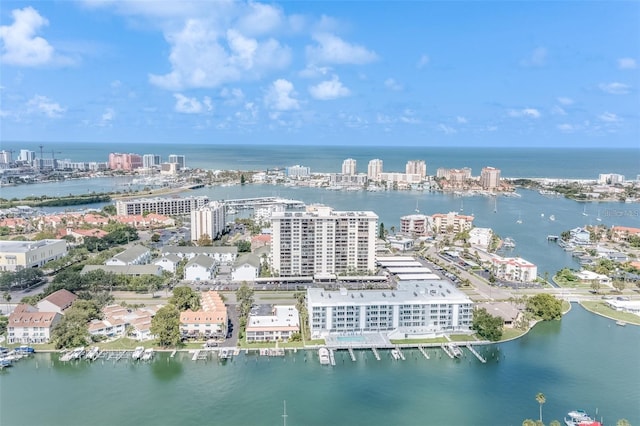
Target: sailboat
599 219
284 415
495 205
462 205
417 209
519 221
584 211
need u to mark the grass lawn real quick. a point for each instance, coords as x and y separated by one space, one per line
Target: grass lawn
462 337
512 333
261 345
419 341
603 309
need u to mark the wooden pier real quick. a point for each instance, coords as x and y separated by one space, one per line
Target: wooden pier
447 351
332 358
400 353
195 356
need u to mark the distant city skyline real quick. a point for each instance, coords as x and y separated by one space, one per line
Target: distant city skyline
531 74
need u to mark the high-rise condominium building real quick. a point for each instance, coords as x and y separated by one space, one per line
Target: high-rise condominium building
118 161
416 167
150 161
208 220
27 156
490 178
374 169
349 166
179 159
321 242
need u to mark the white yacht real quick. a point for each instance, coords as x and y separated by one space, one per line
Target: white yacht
323 354
147 355
137 353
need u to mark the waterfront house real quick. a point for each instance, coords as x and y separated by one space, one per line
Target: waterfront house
246 268
135 255
168 262
200 268
57 301
209 321
27 325
282 322
117 320
592 277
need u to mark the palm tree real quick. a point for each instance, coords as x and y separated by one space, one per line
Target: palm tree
541 400
554 423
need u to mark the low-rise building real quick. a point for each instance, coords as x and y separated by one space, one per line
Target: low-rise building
134 255
209 321
514 269
246 268
58 301
417 225
168 262
592 277
17 255
451 222
423 308
118 319
200 268
480 237
219 254
622 233
279 326
28 325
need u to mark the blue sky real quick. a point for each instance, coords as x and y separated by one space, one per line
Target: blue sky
512 73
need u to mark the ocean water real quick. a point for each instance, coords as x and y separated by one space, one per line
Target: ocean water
582 362
514 162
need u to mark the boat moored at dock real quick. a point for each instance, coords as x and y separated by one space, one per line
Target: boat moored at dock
137 353
580 418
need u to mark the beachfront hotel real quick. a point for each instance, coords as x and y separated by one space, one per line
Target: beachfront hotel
164 206
323 242
423 308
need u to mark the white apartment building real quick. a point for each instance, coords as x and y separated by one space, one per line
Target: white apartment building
280 325
210 220
418 225
180 160
480 237
27 325
150 161
322 242
374 169
490 178
5 157
298 172
164 206
27 156
610 179
514 269
134 255
349 167
451 222
417 308
17 255
416 167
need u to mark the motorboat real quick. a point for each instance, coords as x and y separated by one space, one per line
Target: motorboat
323 354
508 243
25 349
137 353
395 354
455 350
147 355
552 218
580 418
92 353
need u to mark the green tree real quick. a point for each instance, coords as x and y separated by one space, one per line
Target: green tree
155 237
623 422
243 180
185 298
244 296
204 241
243 246
595 286
109 210
541 400
544 306
487 326
381 232
3 324
555 423
165 325
72 329
618 285
529 422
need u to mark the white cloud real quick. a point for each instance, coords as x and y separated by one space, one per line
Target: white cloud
20 45
392 84
44 105
423 61
557 110
280 96
526 112
447 130
260 19
313 71
565 101
567 128
331 49
329 89
107 117
188 105
232 96
627 64
615 88
201 57
537 58
461 120
609 117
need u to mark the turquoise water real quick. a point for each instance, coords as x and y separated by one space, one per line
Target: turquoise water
584 361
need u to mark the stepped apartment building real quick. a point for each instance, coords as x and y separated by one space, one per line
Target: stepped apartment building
323 242
163 206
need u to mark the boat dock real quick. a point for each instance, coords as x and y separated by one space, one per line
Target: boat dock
376 354
447 351
400 354
473 351
332 358
423 351
352 354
